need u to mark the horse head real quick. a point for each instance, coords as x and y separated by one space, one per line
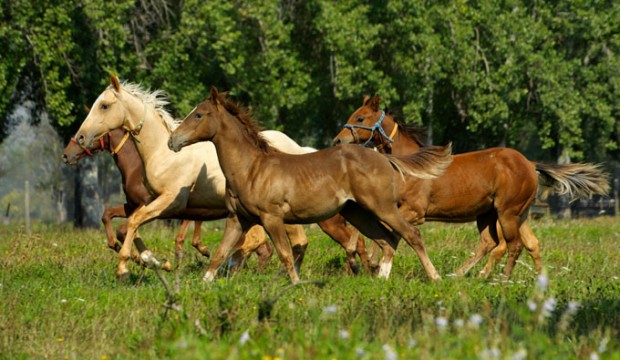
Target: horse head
199 125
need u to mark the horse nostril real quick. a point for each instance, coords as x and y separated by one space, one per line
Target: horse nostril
81 139
337 141
65 159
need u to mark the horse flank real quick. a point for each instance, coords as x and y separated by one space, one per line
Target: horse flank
428 163
577 180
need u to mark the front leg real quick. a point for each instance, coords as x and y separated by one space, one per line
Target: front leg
164 204
232 233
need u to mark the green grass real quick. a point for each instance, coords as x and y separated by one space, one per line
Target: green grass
60 299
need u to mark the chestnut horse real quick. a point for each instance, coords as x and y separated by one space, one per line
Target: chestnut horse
123 150
265 186
494 187
188 181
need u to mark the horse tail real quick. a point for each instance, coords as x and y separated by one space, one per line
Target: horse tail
428 163
578 180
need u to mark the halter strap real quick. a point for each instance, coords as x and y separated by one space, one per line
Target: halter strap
86 150
135 132
377 126
120 145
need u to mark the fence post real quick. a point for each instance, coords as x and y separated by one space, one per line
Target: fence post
27 206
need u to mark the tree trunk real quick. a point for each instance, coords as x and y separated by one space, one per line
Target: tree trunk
88 200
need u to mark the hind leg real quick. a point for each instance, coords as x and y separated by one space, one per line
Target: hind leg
366 222
488 240
530 241
411 234
508 229
350 240
196 240
299 243
232 233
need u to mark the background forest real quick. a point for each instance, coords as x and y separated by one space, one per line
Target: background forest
539 76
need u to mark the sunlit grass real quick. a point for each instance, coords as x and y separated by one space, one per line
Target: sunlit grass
60 299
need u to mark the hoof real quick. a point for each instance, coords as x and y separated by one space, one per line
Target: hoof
124 277
209 277
167 266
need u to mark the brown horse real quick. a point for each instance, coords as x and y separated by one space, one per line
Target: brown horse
494 187
123 150
266 186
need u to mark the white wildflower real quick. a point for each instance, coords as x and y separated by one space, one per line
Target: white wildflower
520 355
412 343
593 355
80 300
549 305
441 322
475 319
573 306
531 304
543 282
244 338
459 323
63 301
359 352
389 353
343 334
492 353
602 346
330 309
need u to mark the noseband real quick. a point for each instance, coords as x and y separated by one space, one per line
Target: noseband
377 126
88 152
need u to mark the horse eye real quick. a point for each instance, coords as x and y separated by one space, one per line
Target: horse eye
104 106
198 116
361 119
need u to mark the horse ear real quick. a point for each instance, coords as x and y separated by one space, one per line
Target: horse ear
214 96
374 103
366 98
116 84
86 108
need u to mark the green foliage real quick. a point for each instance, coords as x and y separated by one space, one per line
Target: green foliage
542 77
61 299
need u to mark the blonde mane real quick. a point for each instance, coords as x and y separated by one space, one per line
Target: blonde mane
156 98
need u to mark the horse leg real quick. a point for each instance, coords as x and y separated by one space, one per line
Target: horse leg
121 233
180 239
373 257
530 241
488 240
196 243
165 202
349 240
232 235
508 229
264 253
299 243
368 225
277 232
248 243
108 214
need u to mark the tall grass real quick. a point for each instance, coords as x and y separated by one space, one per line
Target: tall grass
60 299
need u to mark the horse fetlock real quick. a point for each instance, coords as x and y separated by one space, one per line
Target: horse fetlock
384 270
209 276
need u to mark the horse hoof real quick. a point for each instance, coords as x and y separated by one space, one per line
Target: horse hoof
209 277
167 266
123 277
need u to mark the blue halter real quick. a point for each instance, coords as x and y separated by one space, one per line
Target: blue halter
375 127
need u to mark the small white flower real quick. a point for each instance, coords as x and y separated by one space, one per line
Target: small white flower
475 319
549 305
573 306
244 338
412 343
492 353
343 334
330 309
459 323
543 282
520 355
441 322
389 353
531 304
54 245
359 352
80 300
63 301
593 355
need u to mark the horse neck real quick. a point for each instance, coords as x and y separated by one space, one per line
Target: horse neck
127 159
235 152
401 144
152 140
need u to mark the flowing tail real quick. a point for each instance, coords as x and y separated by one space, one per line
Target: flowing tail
577 180
428 163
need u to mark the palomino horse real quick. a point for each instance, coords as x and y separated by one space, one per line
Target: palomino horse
123 150
494 187
266 186
190 180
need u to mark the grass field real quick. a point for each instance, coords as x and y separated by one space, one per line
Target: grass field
61 300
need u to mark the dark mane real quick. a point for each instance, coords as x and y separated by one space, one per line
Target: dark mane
413 132
251 130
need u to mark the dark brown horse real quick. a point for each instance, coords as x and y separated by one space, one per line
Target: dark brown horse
268 187
494 187
126 157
